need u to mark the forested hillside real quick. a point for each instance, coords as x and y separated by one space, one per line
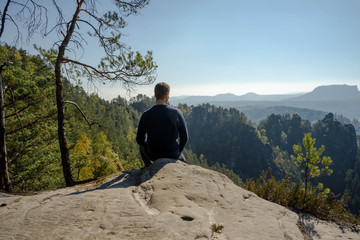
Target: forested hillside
221 139
226 136
33 152
283 131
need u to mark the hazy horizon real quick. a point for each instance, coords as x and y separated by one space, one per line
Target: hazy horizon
110 93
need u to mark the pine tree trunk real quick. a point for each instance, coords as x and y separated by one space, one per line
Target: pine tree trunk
306 176
65 159
5 183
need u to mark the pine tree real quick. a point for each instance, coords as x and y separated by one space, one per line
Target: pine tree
309 159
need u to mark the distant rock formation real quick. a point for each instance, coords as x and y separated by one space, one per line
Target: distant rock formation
331 93
168 200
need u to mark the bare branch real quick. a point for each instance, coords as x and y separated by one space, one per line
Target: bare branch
97 32
92 15
33 15
58 25
60 19
18 35
86 66
3 17
82 113
118 74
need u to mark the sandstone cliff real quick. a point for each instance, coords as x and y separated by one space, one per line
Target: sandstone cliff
165 201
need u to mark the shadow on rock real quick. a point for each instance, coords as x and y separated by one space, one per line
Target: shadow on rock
132 178
307 227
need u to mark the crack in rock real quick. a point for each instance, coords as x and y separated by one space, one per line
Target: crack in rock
142 195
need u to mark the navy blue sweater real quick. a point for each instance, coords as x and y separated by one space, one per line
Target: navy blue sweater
159 128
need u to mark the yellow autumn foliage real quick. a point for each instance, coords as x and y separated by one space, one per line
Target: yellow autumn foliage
94 158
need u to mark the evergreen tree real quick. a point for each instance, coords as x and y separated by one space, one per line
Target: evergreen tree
142 102
309 160
30 118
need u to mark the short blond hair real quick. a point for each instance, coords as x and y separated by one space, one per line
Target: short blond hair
161 89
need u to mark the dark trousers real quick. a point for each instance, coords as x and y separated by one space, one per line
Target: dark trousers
149 157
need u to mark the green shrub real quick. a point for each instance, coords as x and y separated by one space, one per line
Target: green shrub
321 204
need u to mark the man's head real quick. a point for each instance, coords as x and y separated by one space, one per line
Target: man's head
162 91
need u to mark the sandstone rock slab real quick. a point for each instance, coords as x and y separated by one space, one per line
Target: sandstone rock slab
168 200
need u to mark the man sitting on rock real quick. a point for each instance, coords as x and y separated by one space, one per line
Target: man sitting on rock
159 129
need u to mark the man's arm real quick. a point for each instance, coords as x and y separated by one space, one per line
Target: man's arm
140 136
183 132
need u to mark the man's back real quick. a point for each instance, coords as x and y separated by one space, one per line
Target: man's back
159 129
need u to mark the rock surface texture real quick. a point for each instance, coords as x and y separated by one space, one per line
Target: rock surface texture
168 200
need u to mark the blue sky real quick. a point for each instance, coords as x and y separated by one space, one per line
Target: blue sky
208 47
